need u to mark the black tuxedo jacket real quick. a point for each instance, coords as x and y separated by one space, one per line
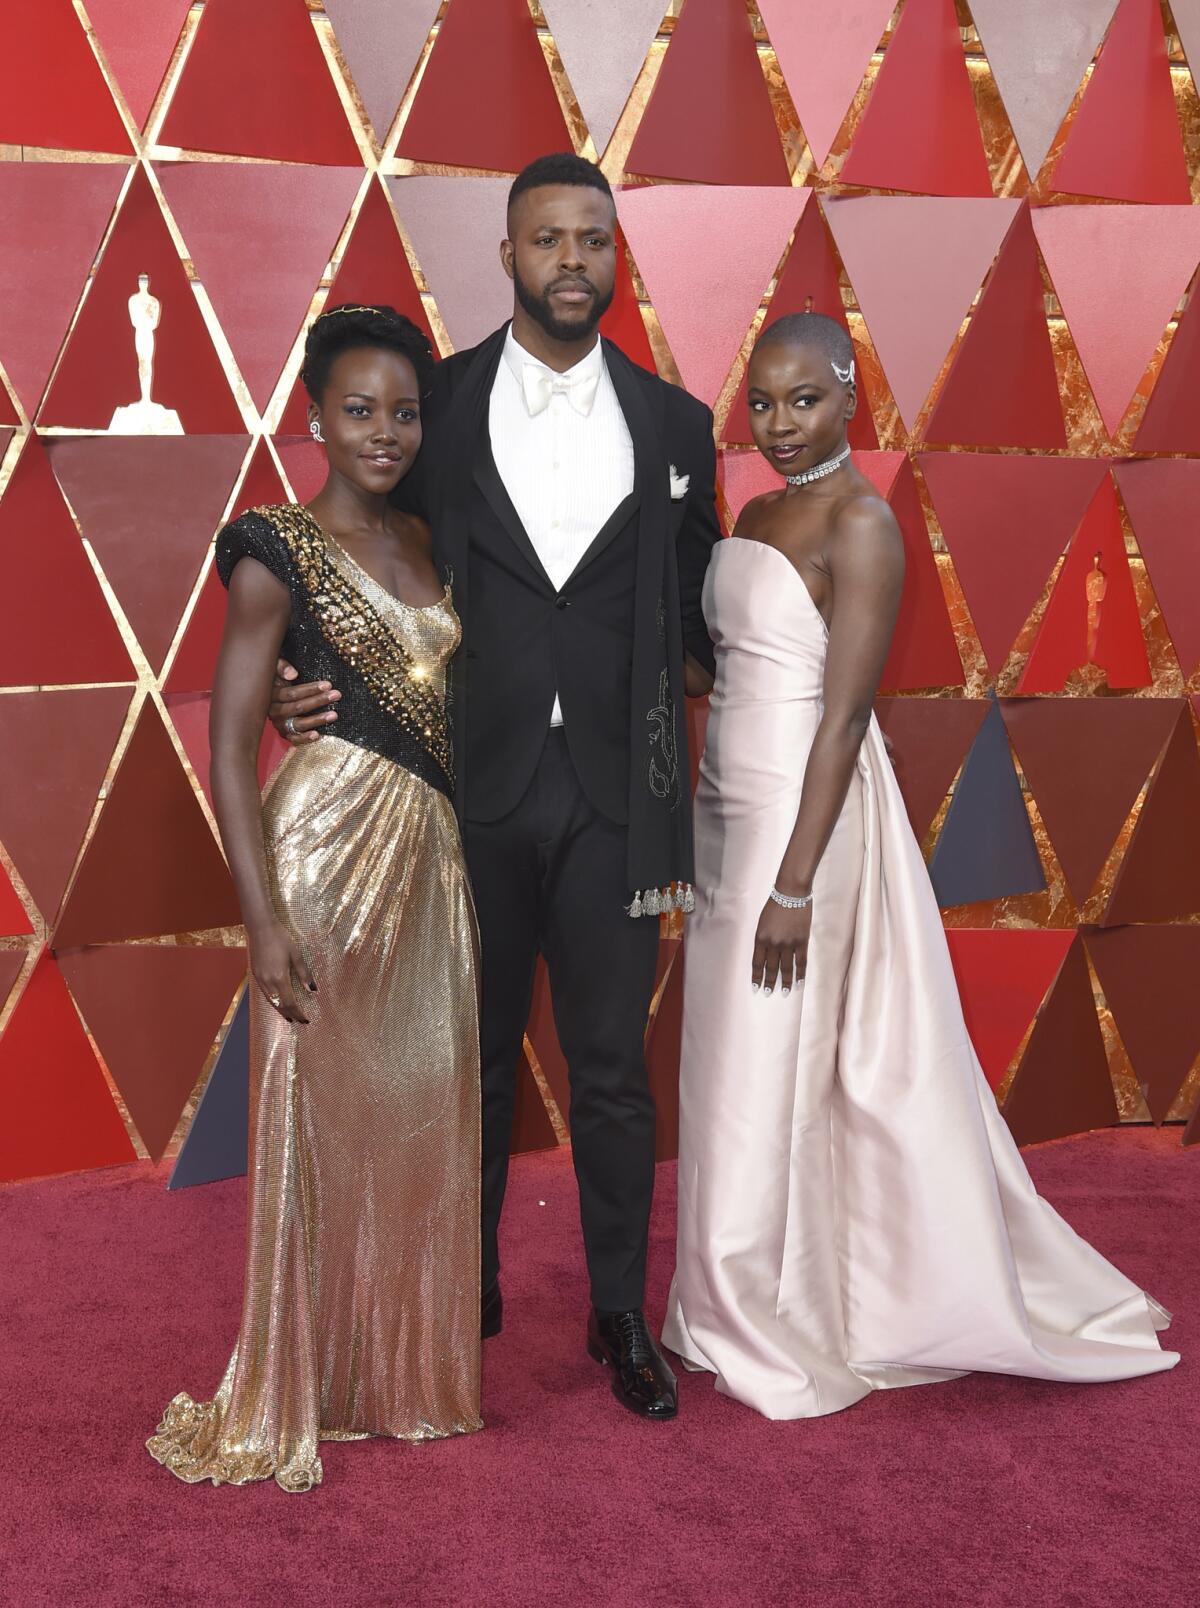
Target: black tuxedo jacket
632 600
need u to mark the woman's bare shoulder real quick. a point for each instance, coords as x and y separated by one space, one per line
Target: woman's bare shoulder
758 510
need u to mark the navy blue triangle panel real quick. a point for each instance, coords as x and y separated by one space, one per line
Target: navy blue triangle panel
216 1142
986 849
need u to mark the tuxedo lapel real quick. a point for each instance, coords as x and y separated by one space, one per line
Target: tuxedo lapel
642 422
487 478
609 531
642 407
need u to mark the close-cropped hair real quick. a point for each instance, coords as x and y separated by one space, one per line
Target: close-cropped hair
812 329
559 167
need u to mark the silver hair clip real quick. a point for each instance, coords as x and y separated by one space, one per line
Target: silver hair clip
846 375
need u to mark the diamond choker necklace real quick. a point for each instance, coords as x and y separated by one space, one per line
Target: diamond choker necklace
819 470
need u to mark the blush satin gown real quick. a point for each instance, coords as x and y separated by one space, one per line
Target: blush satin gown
853 1212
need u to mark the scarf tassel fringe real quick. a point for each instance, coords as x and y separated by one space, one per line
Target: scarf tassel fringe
661 901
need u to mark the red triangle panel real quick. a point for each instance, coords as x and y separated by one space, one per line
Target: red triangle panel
293 215
138 42
1171 422
149 506
1161 497
1006 520
55 627
1159 878
1003 975
929 740
196 658
255 83
303 464
58 1114
916 263
1002 388
55 215
822 82
1086 760
623 322
381 44
1062 1085
709 118
1125 141
1137 258
14 921
1077 630
924 652
98 372
920 130
12 962
152 866
60 745
1148 975
487 63
52 92
154 1010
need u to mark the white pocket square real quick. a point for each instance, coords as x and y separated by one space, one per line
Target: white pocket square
679 485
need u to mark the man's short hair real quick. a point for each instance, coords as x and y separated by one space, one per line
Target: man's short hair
559 167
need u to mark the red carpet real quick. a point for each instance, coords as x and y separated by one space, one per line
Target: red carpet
985 1491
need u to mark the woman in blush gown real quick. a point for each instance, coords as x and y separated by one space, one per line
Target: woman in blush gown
853 1213
361 1307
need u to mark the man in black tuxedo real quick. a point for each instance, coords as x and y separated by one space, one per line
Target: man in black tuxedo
571 497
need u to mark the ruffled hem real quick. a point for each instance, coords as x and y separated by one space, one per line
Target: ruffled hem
188 1443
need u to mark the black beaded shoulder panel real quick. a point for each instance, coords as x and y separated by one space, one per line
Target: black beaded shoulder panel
336 635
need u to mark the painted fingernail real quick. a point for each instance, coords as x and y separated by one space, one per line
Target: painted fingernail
785 992
766 990
755 987
312 988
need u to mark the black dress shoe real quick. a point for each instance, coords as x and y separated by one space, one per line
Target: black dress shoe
641 1379
491 1312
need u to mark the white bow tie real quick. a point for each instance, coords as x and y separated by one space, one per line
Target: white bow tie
540 384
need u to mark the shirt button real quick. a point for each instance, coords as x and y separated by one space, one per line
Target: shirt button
561 603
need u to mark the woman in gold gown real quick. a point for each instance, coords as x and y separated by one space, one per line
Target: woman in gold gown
361 1306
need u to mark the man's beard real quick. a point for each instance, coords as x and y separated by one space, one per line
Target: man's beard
541 310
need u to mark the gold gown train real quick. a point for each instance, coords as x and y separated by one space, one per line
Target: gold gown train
361 1306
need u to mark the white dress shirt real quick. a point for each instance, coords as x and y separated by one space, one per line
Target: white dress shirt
565 466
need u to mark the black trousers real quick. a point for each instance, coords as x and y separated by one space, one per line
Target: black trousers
551 876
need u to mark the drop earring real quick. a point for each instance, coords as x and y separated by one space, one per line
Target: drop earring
314 429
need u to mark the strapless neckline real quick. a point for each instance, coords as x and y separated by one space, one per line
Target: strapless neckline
749 541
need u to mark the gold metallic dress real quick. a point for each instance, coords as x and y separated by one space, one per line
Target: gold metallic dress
361 1307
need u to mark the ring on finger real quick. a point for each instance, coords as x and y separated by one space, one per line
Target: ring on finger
276 1001
289 725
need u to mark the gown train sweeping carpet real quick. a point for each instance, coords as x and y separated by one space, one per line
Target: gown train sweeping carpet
853 1212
